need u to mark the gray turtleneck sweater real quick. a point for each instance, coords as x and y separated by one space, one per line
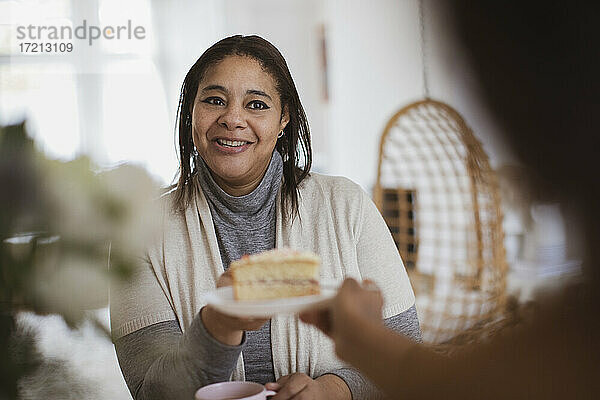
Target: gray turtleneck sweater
159 360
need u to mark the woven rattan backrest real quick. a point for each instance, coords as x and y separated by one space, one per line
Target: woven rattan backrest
439 197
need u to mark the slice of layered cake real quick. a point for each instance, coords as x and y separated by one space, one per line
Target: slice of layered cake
275 274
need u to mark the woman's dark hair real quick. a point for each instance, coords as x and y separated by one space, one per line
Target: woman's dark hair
296 161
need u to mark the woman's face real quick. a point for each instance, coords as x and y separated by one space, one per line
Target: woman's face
235 121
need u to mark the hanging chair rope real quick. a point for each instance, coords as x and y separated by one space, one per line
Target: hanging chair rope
423 49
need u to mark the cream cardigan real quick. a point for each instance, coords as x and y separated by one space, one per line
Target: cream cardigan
338 221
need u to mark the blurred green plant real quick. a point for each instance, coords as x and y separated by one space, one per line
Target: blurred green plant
59 224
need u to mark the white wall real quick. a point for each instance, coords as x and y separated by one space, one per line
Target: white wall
374 68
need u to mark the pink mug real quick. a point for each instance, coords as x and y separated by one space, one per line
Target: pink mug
234 391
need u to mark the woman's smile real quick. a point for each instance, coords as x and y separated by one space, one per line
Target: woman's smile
231 146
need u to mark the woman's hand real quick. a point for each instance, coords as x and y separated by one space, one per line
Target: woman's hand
300 386
346 316
225 328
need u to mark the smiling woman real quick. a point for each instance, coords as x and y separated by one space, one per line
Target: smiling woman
244 188
242 80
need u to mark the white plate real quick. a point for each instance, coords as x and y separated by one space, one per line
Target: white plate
222 299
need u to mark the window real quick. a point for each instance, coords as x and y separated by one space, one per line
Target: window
105 100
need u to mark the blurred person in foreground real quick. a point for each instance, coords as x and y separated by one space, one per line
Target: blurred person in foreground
538 68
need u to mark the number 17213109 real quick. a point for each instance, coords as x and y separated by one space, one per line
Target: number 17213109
45 47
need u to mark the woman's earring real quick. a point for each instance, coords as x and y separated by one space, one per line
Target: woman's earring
280 134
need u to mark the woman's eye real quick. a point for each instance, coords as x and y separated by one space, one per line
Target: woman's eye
257 105
215 101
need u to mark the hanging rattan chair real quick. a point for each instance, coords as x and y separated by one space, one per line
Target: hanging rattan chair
439 197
